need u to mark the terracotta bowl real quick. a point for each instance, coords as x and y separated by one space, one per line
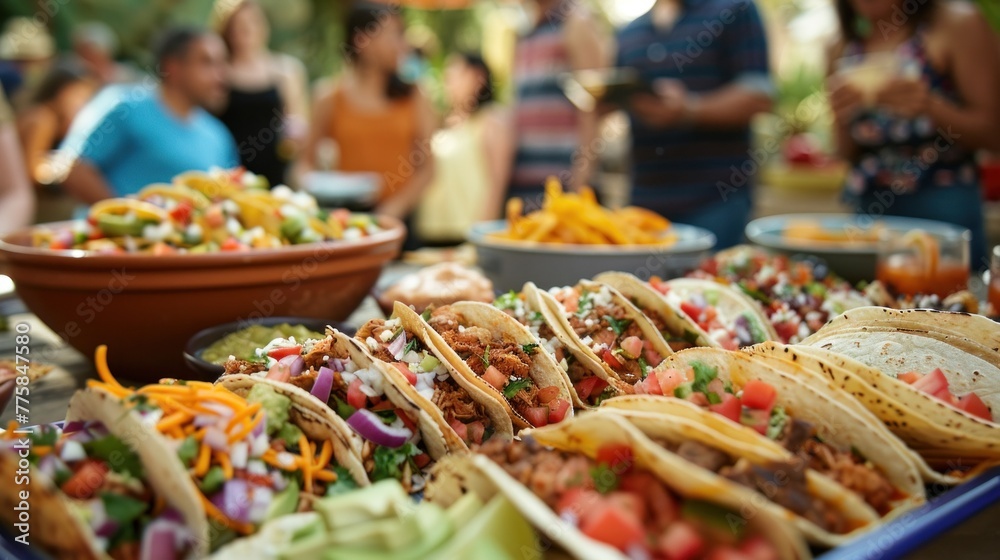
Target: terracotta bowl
146 307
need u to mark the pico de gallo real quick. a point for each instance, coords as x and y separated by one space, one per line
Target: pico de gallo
223 211
105 481
590 388
935 384
608 329
393 344
504 364
755 405
613 501
249 462
731 333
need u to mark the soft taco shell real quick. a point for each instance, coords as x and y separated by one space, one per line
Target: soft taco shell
308 415
821 488
545 372
678 323
732 302
502 424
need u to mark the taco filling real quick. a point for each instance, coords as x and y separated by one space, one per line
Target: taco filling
589 387
429 376
608 330
503 364
701 308
106 484
613 501
935 384
754 406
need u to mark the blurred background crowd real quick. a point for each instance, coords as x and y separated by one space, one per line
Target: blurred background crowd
445 109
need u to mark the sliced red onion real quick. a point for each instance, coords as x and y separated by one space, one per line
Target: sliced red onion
216 439
73 426
259 445
218 408
259 502
72 451
159 541
397 346
106 529
370 426
279 481
205 420
48 466
258 430
336 364
323 385
171 514
238 454
82 436
236 499
295 364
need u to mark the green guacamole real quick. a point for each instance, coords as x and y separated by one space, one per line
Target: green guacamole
244 343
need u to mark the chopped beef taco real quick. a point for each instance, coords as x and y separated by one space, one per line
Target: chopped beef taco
762 405
825 512
609 330
929 425
695 312
251 450
101 487
466 414
502 358
588 381
597 488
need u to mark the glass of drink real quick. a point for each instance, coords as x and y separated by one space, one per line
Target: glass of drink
995 282
920 262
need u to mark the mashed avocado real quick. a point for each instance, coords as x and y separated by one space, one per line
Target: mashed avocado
276 406
243 343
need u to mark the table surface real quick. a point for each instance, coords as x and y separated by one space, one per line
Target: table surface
977 538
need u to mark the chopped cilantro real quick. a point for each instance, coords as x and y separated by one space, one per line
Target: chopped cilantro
529 348
344 483
617 325
754 293
515 387
411 345
776 424
703 375
396 333
713 398
122 509
141 403
187 451
816 289
753 324
44 436
506 301
585 303
387 416
643 367
691 337
605 479
536 316
606 394
426 315
683 391
213 480
343 409
486 357
119 457
388 461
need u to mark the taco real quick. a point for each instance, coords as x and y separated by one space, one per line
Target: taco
467 414
100 488
608 329
395 437
925 424
597 488
697 312
589 383
500 356
755 403
252 452
823 511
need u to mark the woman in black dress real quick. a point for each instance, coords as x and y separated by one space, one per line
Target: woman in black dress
267 97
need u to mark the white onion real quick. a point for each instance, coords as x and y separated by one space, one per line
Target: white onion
259 445
72 451
256 467
426 393
412 357
216 439
238 454
259 501
348 377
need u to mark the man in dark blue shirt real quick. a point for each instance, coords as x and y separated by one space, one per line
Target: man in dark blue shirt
707 62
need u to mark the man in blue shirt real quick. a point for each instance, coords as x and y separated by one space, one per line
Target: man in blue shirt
132 136
707 62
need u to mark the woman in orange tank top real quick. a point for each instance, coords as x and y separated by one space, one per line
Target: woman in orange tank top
379 123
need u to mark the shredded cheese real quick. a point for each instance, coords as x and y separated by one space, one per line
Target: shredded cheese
202 463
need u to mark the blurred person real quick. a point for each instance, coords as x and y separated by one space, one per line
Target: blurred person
553 137
131 136
691 132
266 110
96 46
17 200
379 123
913 146
43 124
472 155
26 52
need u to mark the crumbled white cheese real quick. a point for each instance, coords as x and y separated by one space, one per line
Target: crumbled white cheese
372 343
386 335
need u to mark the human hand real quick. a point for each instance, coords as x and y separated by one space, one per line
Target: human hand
846 100
906 98
668 107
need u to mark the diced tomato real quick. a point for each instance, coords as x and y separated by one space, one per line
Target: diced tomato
934 384
716 386
86 480
546 394
756 419
379 405
709 314
495 378
279 353
659 285
214 217
668 380
342 215
662 507
160 248
632 347
279 372
578 502
460 429
617 456
680 541
411 377
537 416
58 244
759 395
232 244
975 406
572 303
182 212
631 502
698 398
557 410
609 524
909 377
355 397
404 417
757 548
730 343
421 460
730 407
476 431
787 329
653 358
589 386
610 359
727 553
691 310
648 386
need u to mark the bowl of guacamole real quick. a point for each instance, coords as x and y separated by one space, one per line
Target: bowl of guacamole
209 349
